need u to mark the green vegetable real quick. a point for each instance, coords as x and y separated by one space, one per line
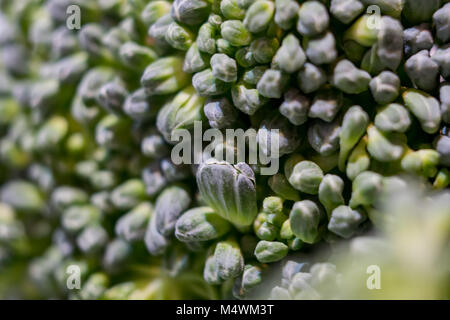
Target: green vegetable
323 151
270 251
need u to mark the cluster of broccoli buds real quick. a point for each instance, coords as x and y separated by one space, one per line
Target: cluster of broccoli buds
88 116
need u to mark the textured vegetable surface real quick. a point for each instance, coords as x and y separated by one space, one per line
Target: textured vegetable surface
356 104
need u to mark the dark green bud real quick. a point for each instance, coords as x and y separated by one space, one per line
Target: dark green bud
393 117
441 19
270 251
326 105
180 113
416 11
220 113
139 106
155 242
295 107
442 179
103 179
350 79
346 10
170 204
65 196
287 137
330 192
153 11
115 38
228 259
324 137
92 239
286 12
132 225
425 108
235 32
272 83
422 70
290 56
92 82
445 102
231 10
206 38
22 196
153 179
223 67
194 61
67 70
365 189
385 87
353 127
117 254
200 224
390 42
128 194
384 146
158 30
135 56
76 218
442 145
306 177
192 12
304 220
422 162
442 57
264 49
344 221
164 76
321 50
179 37
359 160
174 172
247 100
94 287
52 133
417 38
224 46
280 185
229 190
154 146
210 272
310 78
259 15
251 278
245 58
112 132
111 96
206 84
263 229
